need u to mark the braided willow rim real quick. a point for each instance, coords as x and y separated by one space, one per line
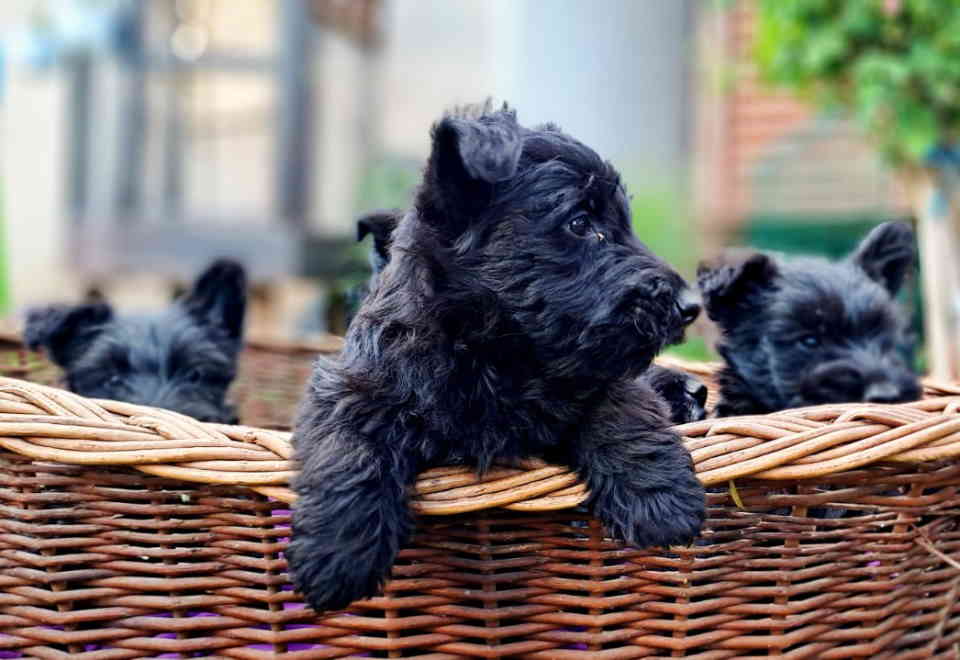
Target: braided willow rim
271 373
48 424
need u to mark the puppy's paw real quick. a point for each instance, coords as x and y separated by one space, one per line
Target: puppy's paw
685 395
330 578
650 517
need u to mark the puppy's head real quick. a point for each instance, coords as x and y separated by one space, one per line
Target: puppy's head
531 229
809 331
182 359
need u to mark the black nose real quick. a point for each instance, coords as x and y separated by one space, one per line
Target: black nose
689 307
883 393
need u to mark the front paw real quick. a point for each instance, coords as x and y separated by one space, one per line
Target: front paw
342 550
328 578
648 517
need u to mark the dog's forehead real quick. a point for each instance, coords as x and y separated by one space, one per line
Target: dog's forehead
148 340
580 161
834 294
568 172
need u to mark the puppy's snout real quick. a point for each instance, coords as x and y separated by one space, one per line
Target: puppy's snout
883 393
689 306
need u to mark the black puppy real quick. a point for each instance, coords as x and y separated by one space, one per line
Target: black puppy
182 359
808 331
685 395
512 320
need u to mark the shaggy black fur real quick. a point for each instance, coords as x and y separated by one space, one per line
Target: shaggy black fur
514 315
685 395
182 359
808 331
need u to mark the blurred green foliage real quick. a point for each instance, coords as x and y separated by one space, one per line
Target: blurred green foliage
892 64
387 183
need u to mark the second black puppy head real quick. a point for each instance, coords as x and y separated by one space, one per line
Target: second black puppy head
181 359
808 331
529 228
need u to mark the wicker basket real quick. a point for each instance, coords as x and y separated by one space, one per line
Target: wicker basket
128 532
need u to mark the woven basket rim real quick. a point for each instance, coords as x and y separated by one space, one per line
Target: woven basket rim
48 424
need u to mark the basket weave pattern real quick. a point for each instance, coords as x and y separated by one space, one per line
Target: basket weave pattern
127 532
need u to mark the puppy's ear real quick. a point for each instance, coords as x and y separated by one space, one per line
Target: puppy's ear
218 297
470 155
65 331
381 225
887 254
732 285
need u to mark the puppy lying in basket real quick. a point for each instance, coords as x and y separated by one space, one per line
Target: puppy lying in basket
808 331
514 316
182 359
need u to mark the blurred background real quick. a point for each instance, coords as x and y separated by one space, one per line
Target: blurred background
142 138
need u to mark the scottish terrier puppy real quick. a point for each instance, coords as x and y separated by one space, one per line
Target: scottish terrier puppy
182 359
512 320
808 331
684 395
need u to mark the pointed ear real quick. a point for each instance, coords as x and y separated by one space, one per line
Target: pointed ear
381 225
470 155
731 285
63 331
887 255
218 297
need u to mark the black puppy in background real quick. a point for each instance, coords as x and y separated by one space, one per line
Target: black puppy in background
183 358
805 331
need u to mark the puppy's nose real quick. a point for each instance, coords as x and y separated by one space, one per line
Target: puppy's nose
883 393
689 306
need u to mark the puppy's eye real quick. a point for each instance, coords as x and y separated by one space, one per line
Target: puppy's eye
579 225
810 341
195 375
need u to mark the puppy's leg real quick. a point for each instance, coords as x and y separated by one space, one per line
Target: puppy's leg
350 519
641 479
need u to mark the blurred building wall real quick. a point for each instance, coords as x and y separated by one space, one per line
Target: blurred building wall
763 155
33 144
614 73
